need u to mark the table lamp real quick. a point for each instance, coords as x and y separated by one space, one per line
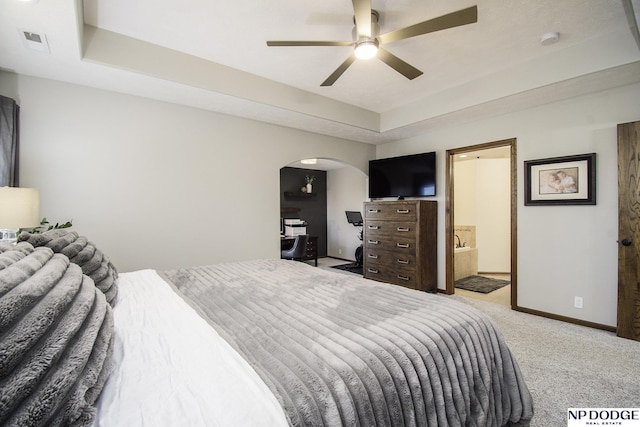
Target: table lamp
19 208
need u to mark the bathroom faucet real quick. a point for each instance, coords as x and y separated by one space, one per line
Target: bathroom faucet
458 245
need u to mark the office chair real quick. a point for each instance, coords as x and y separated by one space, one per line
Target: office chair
298 250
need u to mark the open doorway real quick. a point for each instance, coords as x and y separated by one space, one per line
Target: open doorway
473 238
343 188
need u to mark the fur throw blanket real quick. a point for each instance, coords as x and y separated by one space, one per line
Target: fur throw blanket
82 252
56 332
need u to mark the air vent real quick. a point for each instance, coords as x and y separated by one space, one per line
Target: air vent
34 41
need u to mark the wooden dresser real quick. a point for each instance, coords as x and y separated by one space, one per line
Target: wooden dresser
400 243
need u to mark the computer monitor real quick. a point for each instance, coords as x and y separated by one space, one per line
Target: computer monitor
354 217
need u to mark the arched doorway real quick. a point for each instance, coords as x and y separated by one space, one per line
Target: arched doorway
344 188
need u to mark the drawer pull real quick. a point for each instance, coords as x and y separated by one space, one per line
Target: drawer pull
372 256
373 227
372 270
403 277
403 229
402 211
401 245
373 242
403 261
373 210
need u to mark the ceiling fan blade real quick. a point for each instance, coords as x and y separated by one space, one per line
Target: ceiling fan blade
450 20
306 43
362 15
398 64
338 72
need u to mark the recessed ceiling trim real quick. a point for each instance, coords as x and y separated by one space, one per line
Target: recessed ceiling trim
66 64
561 65
116 50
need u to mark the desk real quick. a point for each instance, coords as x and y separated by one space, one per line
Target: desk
312 247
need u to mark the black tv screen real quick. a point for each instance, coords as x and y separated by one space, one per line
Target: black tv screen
404 176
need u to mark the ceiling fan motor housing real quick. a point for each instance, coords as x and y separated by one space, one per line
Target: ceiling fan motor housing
375 28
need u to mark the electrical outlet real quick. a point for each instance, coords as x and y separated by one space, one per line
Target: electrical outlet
577 302
339 251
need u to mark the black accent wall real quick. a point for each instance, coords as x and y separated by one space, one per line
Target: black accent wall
311 208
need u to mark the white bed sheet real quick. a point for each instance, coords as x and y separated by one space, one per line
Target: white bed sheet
172 369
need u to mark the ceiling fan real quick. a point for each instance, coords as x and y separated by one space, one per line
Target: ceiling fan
368 43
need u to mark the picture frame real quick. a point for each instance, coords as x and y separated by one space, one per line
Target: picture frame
567 180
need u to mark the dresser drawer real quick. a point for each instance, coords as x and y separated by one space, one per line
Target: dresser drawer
406 278
395 211
380 258
378 228
405 244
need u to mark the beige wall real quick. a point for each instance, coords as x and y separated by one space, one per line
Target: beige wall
157 185
563 251
346 191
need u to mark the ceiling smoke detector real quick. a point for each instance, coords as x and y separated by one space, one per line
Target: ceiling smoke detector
549 38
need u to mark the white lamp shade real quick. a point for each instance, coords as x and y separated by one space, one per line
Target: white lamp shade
19 207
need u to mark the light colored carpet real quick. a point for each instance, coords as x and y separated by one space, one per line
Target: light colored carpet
567 366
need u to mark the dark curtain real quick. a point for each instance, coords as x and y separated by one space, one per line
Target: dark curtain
9 138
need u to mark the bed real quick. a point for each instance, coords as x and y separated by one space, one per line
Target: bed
277 343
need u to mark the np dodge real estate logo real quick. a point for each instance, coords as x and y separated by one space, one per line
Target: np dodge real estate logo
626 417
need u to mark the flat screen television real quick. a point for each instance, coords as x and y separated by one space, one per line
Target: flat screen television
404 176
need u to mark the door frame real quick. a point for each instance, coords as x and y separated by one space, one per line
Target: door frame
449 211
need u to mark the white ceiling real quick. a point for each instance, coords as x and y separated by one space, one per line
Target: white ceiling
212 54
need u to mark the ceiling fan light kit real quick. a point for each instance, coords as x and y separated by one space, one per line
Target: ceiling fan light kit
368 42
366 49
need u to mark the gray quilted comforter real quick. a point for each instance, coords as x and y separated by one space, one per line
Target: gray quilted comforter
340 350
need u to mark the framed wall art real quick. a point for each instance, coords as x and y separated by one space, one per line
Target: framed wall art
568 180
